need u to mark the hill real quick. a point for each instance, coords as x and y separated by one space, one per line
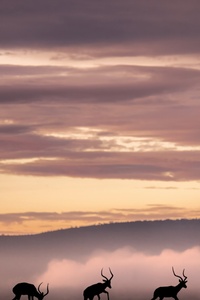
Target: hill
144 236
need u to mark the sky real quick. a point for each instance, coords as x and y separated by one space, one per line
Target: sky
99 112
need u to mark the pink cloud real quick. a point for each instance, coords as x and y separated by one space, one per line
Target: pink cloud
134 272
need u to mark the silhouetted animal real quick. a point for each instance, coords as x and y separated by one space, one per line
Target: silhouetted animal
98 288
28 289
170 291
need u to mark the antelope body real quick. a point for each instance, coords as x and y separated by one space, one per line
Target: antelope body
28 289
98 288
170 291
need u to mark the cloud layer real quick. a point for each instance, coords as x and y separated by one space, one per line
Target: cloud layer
104 90
103 131
134 272
70 218
144 26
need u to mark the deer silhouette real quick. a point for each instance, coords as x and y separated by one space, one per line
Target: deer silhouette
98 288
29 289
171 291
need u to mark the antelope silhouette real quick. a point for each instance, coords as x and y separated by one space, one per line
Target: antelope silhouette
28 289
171 291
98 288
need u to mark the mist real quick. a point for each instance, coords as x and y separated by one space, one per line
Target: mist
134 272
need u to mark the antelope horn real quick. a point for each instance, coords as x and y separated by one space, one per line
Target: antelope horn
103 275
184 274
111 274
47 290
176 275
39 288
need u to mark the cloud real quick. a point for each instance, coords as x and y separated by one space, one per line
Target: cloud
102 165
145 26
135 114
126 83
70 218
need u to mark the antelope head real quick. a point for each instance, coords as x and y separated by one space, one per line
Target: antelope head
106 280
182 281
42 295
